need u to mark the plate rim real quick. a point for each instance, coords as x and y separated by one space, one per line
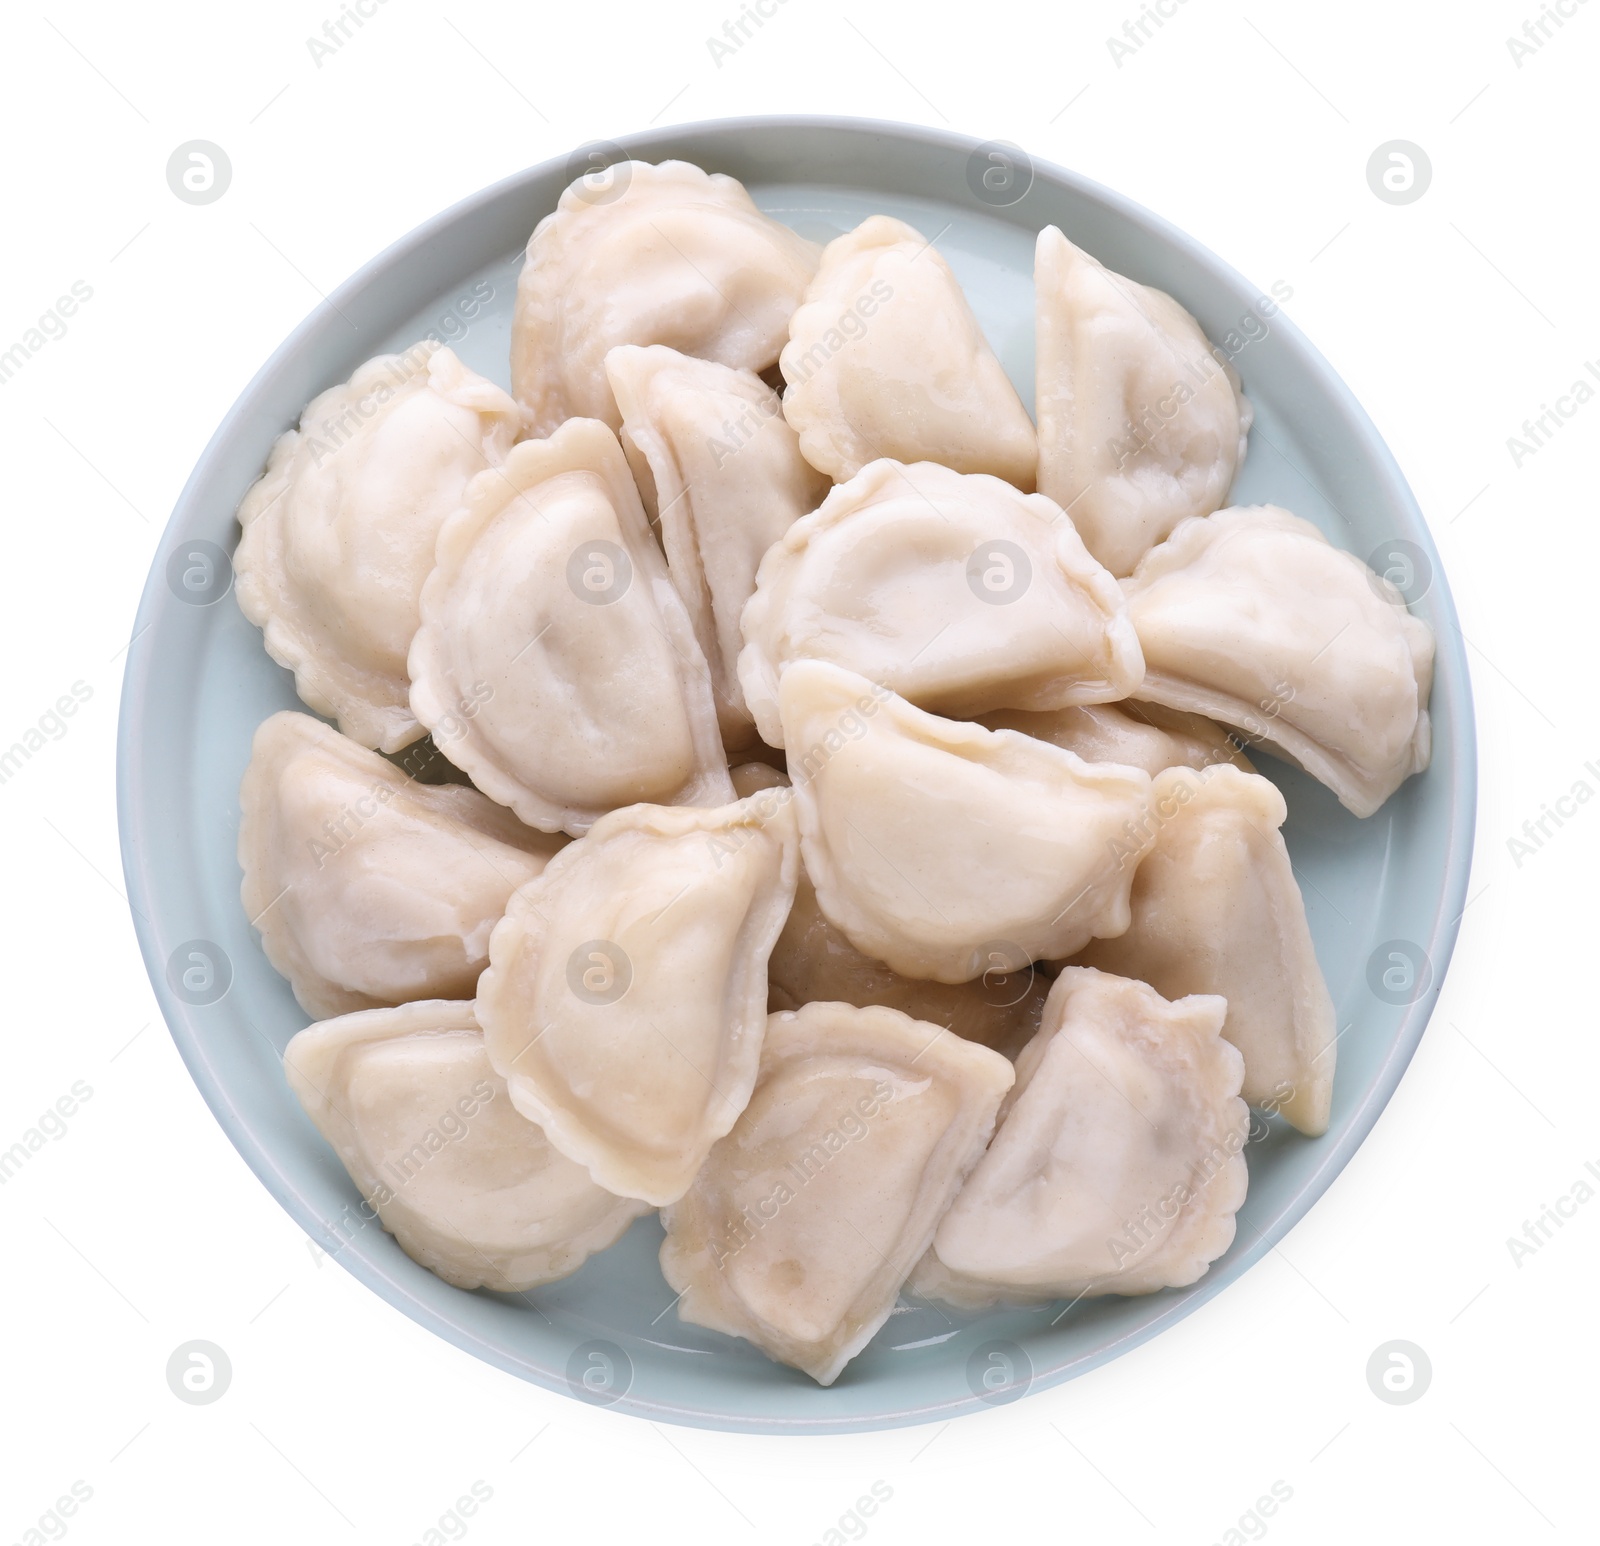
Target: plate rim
657 144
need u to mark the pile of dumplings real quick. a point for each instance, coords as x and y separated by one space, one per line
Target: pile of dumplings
846 842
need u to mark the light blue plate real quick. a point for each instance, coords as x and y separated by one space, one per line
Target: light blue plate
1382 894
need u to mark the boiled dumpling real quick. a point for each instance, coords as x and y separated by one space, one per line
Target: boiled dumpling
368 888
1118 1166
1216 910
1143 735
933 843
813 962
658 255
952 589
339 532
712 453
885 359
551 613
469 1188
1141 421
626 993
1252 617
807 1217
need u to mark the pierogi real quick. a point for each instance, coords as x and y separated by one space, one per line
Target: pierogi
551 608
642 254
885 359
1253 617
368 888
1216 910
721 471
934 843
626 994
813 962
339 532
1142 422
953 590
1118 1165
807 1217
470 1189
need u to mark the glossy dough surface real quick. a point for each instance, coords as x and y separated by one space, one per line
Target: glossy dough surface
1252 617
933 843
553 638
1216 909
807 1217
424 1126
953 590
722 471
626 994
885 358
644 254
338 534
1141 422
1118 1165
368 888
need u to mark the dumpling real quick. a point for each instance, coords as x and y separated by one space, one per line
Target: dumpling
469 1188
885 358
803 1224
626 993
1253 617
663 255
1216 910
951 589
934 843
339 532
551 613
368 888
1142 422
813 962
718 465
1118 1166
1143 735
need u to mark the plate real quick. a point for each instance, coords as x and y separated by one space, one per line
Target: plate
1384 895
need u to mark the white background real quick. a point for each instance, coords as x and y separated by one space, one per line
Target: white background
1453 319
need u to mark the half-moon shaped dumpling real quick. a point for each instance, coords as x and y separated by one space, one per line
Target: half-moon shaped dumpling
1253 617
1118 1166
368 888
1142 423
339 532
934 844
550 613
951 589
626 993
1143 735
1216 910
885 358
657 255
713 455
813 962
807 1217
471 1190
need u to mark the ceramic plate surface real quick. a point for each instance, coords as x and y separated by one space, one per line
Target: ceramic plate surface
1383 895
